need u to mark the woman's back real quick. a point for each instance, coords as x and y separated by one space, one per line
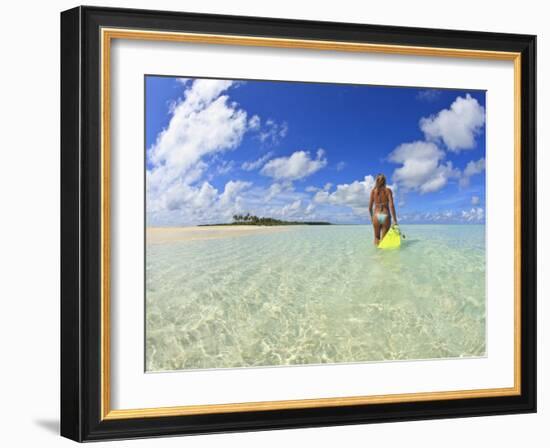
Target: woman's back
381 197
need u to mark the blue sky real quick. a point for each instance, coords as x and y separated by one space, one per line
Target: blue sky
310 151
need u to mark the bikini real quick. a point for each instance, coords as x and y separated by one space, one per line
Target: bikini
381 217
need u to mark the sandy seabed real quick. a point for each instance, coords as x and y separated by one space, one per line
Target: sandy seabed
157 235
302 295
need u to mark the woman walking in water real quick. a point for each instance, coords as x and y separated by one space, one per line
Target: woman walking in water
380 206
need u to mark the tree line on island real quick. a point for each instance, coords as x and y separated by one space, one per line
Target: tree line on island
252 220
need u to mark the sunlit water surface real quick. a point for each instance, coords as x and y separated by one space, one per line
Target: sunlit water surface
315 294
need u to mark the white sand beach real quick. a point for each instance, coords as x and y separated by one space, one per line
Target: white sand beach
157 235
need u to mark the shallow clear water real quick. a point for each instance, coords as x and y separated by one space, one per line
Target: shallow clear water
315 294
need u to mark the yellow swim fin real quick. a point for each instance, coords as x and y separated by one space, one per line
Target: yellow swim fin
392 239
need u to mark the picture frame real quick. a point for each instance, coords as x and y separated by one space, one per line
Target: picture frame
86 210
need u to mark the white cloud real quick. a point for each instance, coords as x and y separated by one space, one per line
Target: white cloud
296 210
277 188
188 204
456 126
472 215
225 166
183 81
475 200
186 196
355 195
422 168
272 132
312 189
428 95
472 168
254 123
279 200
256 164
297 166
340 166
202 124
292 209
232 189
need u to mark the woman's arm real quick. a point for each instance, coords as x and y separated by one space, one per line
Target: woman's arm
392 207
371 201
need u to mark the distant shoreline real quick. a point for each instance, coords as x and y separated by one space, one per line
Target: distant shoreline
253 220
282 223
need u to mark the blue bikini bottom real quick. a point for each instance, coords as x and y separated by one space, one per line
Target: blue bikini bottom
381 217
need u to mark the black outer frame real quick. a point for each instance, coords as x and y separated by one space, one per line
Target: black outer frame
80 224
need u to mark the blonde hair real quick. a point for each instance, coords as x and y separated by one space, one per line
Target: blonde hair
380 181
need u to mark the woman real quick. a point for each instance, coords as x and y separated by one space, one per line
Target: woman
381 198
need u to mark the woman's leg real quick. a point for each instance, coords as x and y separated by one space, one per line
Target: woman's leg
385 227
376 226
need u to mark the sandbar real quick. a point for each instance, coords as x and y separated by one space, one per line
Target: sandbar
156 235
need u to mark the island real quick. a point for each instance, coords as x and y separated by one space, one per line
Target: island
252 220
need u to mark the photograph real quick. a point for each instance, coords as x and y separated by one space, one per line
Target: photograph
273 222
304 223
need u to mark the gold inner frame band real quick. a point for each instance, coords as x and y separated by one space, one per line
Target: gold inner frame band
107 35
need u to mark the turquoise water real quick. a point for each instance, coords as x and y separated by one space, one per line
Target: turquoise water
315 294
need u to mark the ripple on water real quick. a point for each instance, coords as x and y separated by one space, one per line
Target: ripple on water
315 295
